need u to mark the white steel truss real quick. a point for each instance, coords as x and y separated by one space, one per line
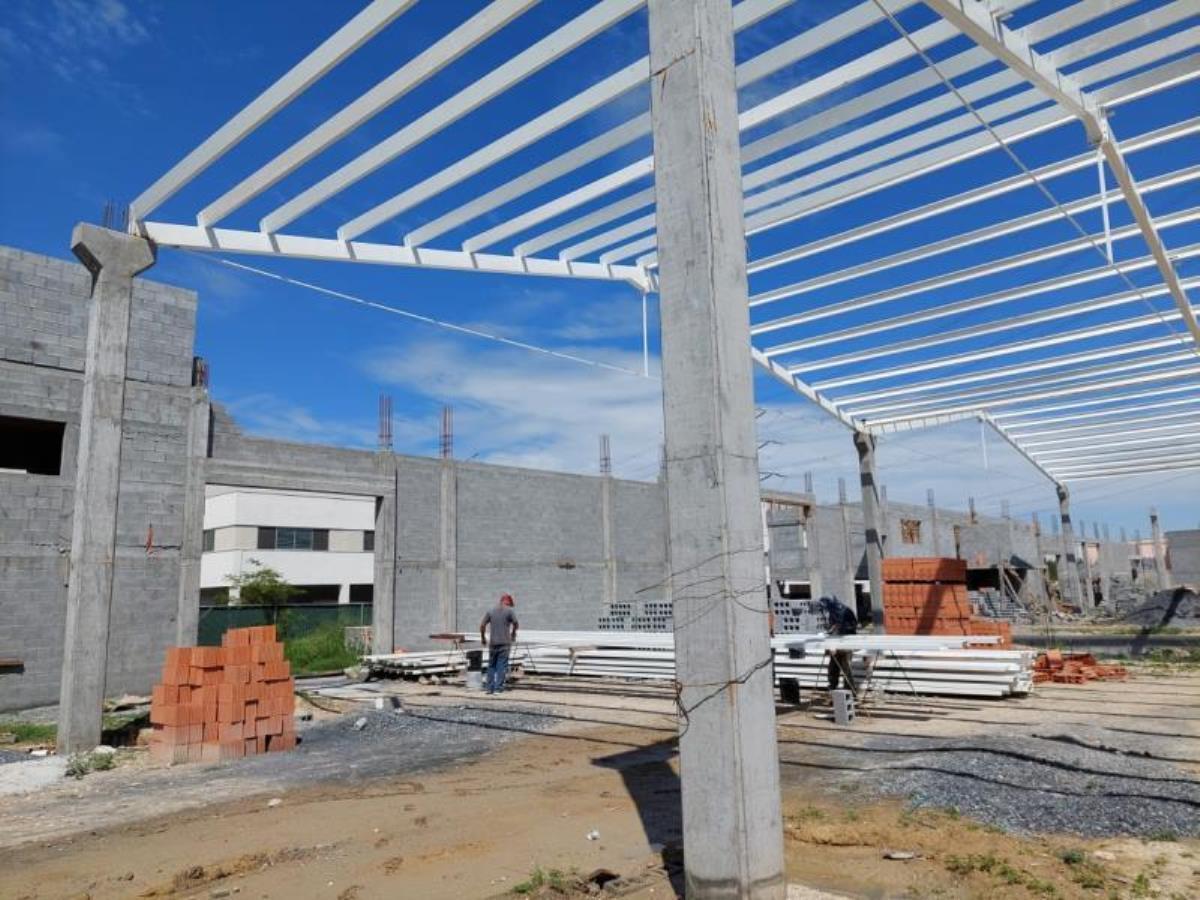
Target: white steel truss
953 183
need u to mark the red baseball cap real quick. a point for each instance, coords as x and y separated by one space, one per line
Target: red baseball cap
506 599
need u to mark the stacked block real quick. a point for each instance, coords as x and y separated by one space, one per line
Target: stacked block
929 596
217 703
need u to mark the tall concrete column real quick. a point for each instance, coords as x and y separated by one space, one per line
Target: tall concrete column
187 616
1068 571
864 444
933 523
609 586
1160 556
387 537
448 570
729 762
850 563
1088 591
816 585
113 259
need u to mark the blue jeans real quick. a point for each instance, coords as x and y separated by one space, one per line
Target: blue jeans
497 669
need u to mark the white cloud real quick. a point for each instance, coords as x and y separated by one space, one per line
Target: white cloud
268 415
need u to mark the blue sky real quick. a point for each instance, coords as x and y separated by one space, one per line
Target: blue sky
112 93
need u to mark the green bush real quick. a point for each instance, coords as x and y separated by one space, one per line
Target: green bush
321 650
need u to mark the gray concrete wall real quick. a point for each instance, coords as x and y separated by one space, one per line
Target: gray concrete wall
1183 552
43 331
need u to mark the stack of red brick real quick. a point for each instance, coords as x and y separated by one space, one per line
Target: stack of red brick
224 702
1073 668
929 596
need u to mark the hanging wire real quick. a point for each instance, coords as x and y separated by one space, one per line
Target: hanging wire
418 317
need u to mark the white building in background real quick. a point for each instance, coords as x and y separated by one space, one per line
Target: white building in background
323 543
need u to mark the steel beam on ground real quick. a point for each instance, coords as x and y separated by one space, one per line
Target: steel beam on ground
364 26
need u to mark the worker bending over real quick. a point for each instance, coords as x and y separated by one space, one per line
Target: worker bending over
840 622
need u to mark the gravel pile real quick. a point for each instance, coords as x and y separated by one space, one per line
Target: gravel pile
1179 607
1042 785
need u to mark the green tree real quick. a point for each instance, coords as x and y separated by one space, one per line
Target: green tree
263 586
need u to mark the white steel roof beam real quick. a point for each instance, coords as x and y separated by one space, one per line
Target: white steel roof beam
419 69
515 70
981 21
1108 452
838 28
1063 362
1184 372
1013 389
1007 438
971 197
972 304
193 237
1165 434
959 276
1122 413
970 238
781 375
1080 437
1125 473
1100 401
343 42
1072 432
1127 467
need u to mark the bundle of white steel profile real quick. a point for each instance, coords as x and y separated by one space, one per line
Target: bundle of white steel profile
915 664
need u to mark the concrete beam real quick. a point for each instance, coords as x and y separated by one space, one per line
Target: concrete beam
729 763
1068 571
864 445
113 259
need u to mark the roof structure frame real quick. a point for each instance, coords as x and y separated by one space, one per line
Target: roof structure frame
578 213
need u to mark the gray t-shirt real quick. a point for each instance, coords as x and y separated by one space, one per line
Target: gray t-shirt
498 621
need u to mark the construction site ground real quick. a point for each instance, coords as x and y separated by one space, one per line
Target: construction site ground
431 791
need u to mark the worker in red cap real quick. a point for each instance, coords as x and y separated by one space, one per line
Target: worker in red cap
498 631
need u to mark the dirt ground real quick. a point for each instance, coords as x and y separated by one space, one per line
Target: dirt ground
596 788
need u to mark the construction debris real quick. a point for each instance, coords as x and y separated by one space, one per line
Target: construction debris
217 703
1074 668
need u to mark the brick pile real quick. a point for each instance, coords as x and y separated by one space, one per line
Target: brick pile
217 703
929 596
1074 668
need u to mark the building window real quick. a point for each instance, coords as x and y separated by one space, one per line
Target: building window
368 541
910 531
31 446
293 539
208 541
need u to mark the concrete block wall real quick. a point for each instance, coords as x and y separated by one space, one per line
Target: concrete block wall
43 335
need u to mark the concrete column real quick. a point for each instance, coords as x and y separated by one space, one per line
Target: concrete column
850 563
1089 584
1068 570
387 537
864 444
1160 557
113 259
816 585
729 762
448 570
608 589
933 523
187 615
